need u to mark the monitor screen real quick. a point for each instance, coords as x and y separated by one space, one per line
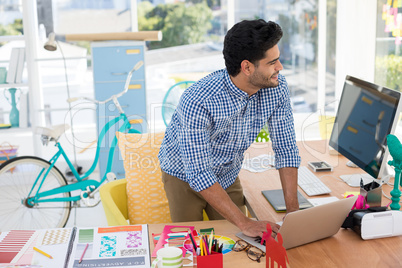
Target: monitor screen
367 113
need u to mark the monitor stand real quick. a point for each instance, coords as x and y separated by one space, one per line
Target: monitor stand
353 180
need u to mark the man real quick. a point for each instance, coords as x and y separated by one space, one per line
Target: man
218 118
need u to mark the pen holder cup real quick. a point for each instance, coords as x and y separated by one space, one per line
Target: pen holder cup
372 196
215 260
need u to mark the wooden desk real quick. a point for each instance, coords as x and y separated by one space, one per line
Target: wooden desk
346 248
224 228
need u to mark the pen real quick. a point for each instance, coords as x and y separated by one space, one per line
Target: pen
206 246
210 241
220 248
192 240
83 253
201 247
42 252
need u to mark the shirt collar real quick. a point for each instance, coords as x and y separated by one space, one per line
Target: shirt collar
232 88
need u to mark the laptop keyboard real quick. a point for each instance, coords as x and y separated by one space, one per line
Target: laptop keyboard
254 241
310 183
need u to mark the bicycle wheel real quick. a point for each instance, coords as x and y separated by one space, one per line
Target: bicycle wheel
17 177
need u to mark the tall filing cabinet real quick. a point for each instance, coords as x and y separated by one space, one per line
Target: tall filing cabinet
111 62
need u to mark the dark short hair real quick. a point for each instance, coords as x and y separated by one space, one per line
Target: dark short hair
249 40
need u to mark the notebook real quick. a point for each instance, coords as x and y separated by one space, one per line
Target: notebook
310 225
276 199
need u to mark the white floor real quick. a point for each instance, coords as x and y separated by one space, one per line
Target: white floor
88 216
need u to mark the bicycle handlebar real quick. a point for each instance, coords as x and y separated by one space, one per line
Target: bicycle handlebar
118 95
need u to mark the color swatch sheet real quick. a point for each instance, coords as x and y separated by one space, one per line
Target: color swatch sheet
17 247
121 246
226 242
14 243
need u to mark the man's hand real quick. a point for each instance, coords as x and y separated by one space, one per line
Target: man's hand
257 228
221 202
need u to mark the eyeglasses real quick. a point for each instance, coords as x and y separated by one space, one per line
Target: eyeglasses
253 253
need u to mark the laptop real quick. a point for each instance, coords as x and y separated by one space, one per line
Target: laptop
310 225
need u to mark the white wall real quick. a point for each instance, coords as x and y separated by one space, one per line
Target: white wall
355 41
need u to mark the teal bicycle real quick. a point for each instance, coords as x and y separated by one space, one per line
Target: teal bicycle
34 194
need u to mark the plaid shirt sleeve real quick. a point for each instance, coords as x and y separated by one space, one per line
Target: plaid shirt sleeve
282 133
194 143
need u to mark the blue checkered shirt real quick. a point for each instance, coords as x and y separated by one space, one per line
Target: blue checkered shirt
214 124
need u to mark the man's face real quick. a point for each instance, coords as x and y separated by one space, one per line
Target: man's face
266 71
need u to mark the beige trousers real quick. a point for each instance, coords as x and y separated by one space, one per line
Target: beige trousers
187 205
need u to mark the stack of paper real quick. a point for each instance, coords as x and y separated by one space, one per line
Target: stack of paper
259 163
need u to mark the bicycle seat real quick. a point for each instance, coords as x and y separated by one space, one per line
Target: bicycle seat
53 132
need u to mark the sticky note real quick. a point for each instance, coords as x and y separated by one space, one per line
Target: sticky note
346 194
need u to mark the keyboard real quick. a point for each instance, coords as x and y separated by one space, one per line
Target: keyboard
310 183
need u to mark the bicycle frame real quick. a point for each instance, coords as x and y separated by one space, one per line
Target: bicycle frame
83 185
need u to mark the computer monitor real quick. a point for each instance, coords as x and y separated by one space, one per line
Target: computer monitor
366 114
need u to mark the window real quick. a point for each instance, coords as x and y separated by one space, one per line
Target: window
193 33
182 58
388 62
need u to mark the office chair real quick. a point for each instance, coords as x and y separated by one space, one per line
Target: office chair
114 201
140 197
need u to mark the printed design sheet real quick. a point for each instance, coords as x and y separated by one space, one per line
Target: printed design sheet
56 236
119 246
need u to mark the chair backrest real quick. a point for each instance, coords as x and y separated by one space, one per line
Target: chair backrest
146 197
172 98
114 200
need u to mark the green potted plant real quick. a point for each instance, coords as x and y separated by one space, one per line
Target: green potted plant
263 136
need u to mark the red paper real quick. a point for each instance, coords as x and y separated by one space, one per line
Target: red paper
275 252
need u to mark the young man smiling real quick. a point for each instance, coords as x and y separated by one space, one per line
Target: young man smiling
215 122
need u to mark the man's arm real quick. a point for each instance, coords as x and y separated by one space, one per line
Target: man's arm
221 202
288 177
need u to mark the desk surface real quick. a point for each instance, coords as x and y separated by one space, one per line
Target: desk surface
223 228
346 248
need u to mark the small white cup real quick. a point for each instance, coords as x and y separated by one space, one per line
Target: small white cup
169 257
